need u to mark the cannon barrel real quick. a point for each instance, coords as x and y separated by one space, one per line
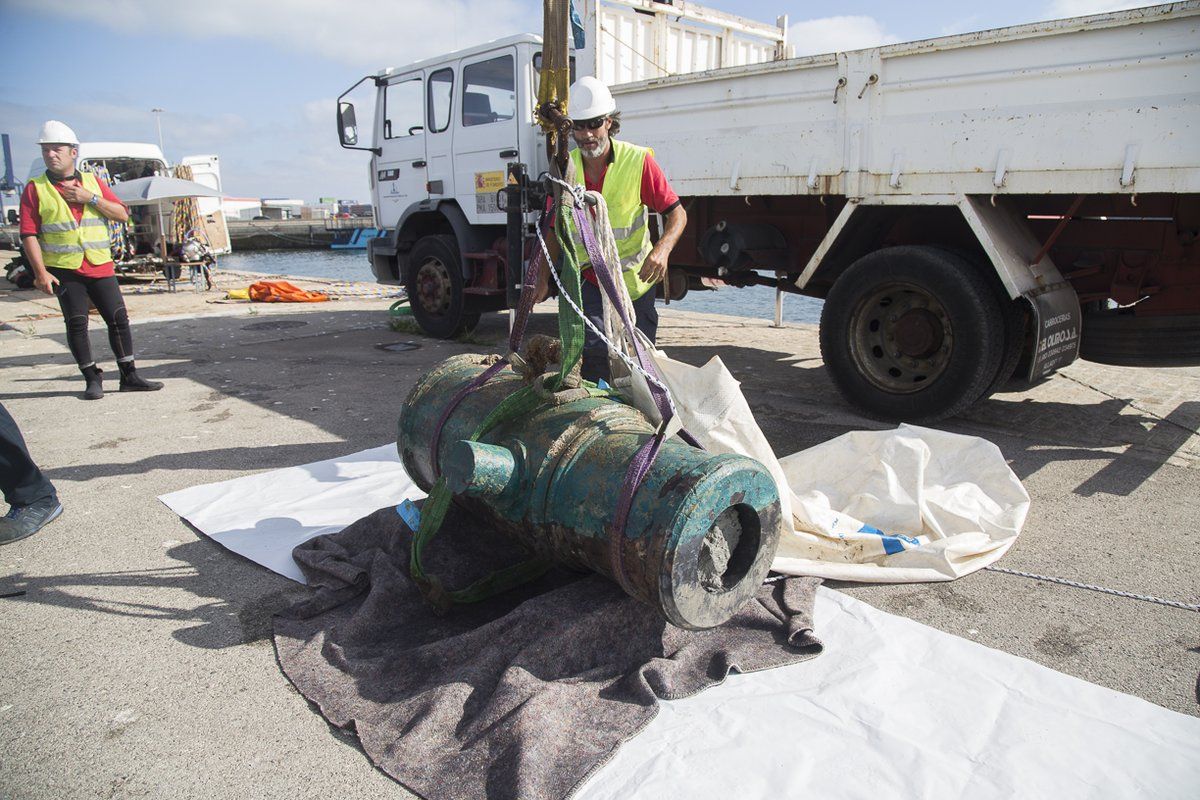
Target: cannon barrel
702 529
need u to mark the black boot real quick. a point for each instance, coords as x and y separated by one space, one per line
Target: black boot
132 382
95 382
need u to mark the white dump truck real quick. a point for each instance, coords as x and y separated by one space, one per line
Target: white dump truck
974 209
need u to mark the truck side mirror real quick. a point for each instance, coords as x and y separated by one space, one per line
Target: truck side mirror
347 126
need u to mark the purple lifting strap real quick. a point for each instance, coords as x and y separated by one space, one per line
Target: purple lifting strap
643 459
609 285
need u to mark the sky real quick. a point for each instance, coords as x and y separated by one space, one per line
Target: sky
255 81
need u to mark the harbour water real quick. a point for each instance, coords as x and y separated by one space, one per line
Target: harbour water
753 301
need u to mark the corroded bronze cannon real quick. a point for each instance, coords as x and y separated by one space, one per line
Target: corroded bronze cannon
702 529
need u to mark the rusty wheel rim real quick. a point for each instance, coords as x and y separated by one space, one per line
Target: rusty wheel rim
434 286
901 338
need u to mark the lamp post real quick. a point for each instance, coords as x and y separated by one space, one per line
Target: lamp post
158 123
162 231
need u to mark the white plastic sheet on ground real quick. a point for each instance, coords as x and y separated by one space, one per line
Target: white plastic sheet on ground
265 516
910 504
896 709
892 708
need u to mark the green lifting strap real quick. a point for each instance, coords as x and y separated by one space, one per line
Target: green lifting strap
570 326
520 403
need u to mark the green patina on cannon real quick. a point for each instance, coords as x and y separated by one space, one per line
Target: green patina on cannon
702 530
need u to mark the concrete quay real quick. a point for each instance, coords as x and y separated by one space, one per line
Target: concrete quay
138 653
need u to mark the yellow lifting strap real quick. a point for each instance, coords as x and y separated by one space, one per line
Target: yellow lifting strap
556 65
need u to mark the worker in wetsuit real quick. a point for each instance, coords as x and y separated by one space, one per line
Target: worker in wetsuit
64 232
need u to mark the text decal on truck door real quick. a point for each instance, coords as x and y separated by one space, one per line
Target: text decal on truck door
486 186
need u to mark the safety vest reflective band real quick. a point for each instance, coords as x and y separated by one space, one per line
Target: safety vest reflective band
623 193
65 242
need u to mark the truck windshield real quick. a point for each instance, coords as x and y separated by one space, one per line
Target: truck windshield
489 91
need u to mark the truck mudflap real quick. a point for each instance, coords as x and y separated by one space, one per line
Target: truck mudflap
1058 321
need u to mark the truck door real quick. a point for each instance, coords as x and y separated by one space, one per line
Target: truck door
486 133
439 133
400 173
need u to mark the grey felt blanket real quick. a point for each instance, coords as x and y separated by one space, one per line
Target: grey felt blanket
522 696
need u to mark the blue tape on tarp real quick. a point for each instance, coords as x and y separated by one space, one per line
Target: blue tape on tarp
411 515
892 542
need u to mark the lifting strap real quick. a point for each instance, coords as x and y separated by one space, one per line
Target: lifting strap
556 64
528 398
520 403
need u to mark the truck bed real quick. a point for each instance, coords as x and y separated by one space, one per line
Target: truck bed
1105 104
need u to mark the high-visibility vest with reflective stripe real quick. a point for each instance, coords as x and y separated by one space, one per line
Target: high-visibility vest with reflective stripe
64 241
622 192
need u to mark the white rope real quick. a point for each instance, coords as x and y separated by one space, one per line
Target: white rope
612 348
1104 589
1090 587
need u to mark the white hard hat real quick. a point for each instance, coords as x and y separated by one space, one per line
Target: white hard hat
590 98
55 132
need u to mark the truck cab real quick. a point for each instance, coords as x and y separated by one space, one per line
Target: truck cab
444 131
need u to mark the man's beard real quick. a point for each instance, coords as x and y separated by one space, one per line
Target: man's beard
600 150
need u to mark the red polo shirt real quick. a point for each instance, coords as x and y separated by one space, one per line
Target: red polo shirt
657 194
31 219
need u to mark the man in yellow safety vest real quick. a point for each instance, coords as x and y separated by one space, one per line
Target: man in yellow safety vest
631 181
64 232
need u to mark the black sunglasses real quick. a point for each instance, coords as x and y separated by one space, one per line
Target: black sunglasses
589 124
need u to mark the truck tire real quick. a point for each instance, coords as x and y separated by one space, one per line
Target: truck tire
1124 339
1016 315
913 334
435 288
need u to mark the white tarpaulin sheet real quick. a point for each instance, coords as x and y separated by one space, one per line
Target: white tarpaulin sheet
906 505
264 516
896 709
892 708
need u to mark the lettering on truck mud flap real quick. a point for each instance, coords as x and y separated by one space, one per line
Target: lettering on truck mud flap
1058 322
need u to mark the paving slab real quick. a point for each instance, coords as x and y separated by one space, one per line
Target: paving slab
139 661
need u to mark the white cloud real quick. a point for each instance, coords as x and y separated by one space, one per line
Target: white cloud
1080 8
364 33
835 34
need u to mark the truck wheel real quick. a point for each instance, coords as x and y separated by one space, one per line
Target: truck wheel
1016 315
435 288
912 334
1124 339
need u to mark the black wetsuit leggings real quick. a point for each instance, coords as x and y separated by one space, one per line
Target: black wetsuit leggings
74 291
